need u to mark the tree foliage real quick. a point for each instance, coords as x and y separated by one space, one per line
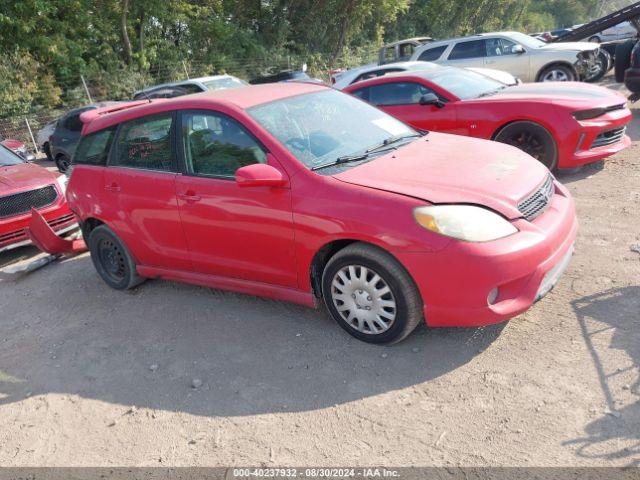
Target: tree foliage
119 45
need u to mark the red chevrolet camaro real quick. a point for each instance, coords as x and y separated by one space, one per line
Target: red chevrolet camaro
303 193
24 186
563 125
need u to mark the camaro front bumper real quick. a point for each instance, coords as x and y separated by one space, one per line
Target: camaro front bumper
458 283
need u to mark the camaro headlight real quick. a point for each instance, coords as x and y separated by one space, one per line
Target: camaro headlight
464 222
62 181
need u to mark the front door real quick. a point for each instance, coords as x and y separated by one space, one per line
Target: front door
232 231
503 54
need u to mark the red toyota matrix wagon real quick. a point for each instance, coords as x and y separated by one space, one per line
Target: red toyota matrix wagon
302 193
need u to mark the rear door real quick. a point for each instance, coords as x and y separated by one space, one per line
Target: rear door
467 53
401 99
232 231
139 192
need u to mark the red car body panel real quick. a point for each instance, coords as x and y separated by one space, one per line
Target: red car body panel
263 240
16 179
551 106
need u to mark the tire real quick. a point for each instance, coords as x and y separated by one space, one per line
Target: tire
558 73
348 280
533 139
623 59
63 162
47 151
112 260
603 61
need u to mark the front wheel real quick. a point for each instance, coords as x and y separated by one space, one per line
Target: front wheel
533 139
558 73
370 294
112 259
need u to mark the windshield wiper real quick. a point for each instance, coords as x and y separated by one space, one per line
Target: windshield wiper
380 148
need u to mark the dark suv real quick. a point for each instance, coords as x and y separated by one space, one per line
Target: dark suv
66 135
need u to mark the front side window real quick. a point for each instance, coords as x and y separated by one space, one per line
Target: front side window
465 50
432 54
319 127
94 149
464 83
145 144
497 47
215 144
396 93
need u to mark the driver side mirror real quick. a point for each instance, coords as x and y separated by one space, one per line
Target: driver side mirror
518 49
260 175
431 99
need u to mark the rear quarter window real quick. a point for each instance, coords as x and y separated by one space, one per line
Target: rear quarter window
432 54
94 148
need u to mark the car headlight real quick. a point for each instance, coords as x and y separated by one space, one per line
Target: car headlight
62 181
464 222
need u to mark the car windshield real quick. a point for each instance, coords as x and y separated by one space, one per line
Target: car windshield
319 128
222 83
526 40
7 157
465 84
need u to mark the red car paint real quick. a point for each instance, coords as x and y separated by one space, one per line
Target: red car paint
12 144
261 238
18 179
548 104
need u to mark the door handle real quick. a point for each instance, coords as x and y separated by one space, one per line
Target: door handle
114 188
189 197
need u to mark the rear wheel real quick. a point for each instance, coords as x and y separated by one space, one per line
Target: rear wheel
533 139
112 259
370 294
557 73
623 59
63 162
47 151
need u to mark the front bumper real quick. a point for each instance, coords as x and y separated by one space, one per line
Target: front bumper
13 230
578 148
455 282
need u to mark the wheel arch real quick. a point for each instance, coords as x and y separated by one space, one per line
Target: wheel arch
88 225
331 248
526 120
556 63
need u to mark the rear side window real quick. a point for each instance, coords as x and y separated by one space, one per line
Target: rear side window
432 54
464 50
94 149
145 144
73 123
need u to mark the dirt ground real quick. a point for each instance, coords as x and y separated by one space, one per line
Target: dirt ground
94 377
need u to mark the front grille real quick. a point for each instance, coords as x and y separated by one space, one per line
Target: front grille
535 204
20 203
609 137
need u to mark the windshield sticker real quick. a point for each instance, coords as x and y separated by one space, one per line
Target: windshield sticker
390 125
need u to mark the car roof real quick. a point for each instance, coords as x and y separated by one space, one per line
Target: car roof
189 81
428 46
235 98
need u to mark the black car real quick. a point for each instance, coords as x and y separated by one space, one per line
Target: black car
66 135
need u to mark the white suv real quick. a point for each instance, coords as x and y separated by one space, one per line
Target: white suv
522 56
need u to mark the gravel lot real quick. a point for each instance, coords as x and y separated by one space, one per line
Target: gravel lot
94 377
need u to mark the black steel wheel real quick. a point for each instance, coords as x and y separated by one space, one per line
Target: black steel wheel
533 139
112 259
63 162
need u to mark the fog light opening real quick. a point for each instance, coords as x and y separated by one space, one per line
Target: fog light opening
493 296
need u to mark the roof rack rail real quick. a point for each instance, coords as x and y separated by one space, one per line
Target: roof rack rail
628 13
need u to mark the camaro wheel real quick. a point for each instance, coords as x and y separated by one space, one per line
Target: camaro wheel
370 294
112 260
533 139
63 162
557 73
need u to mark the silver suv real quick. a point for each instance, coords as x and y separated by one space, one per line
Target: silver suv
524 57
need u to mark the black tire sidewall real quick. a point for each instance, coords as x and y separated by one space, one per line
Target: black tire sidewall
513 127
97 235
400 322
623 59
59 161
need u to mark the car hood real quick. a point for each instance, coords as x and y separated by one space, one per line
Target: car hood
24 176
560 93
444 168
571 46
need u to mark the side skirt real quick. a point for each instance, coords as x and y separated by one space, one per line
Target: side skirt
232 284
